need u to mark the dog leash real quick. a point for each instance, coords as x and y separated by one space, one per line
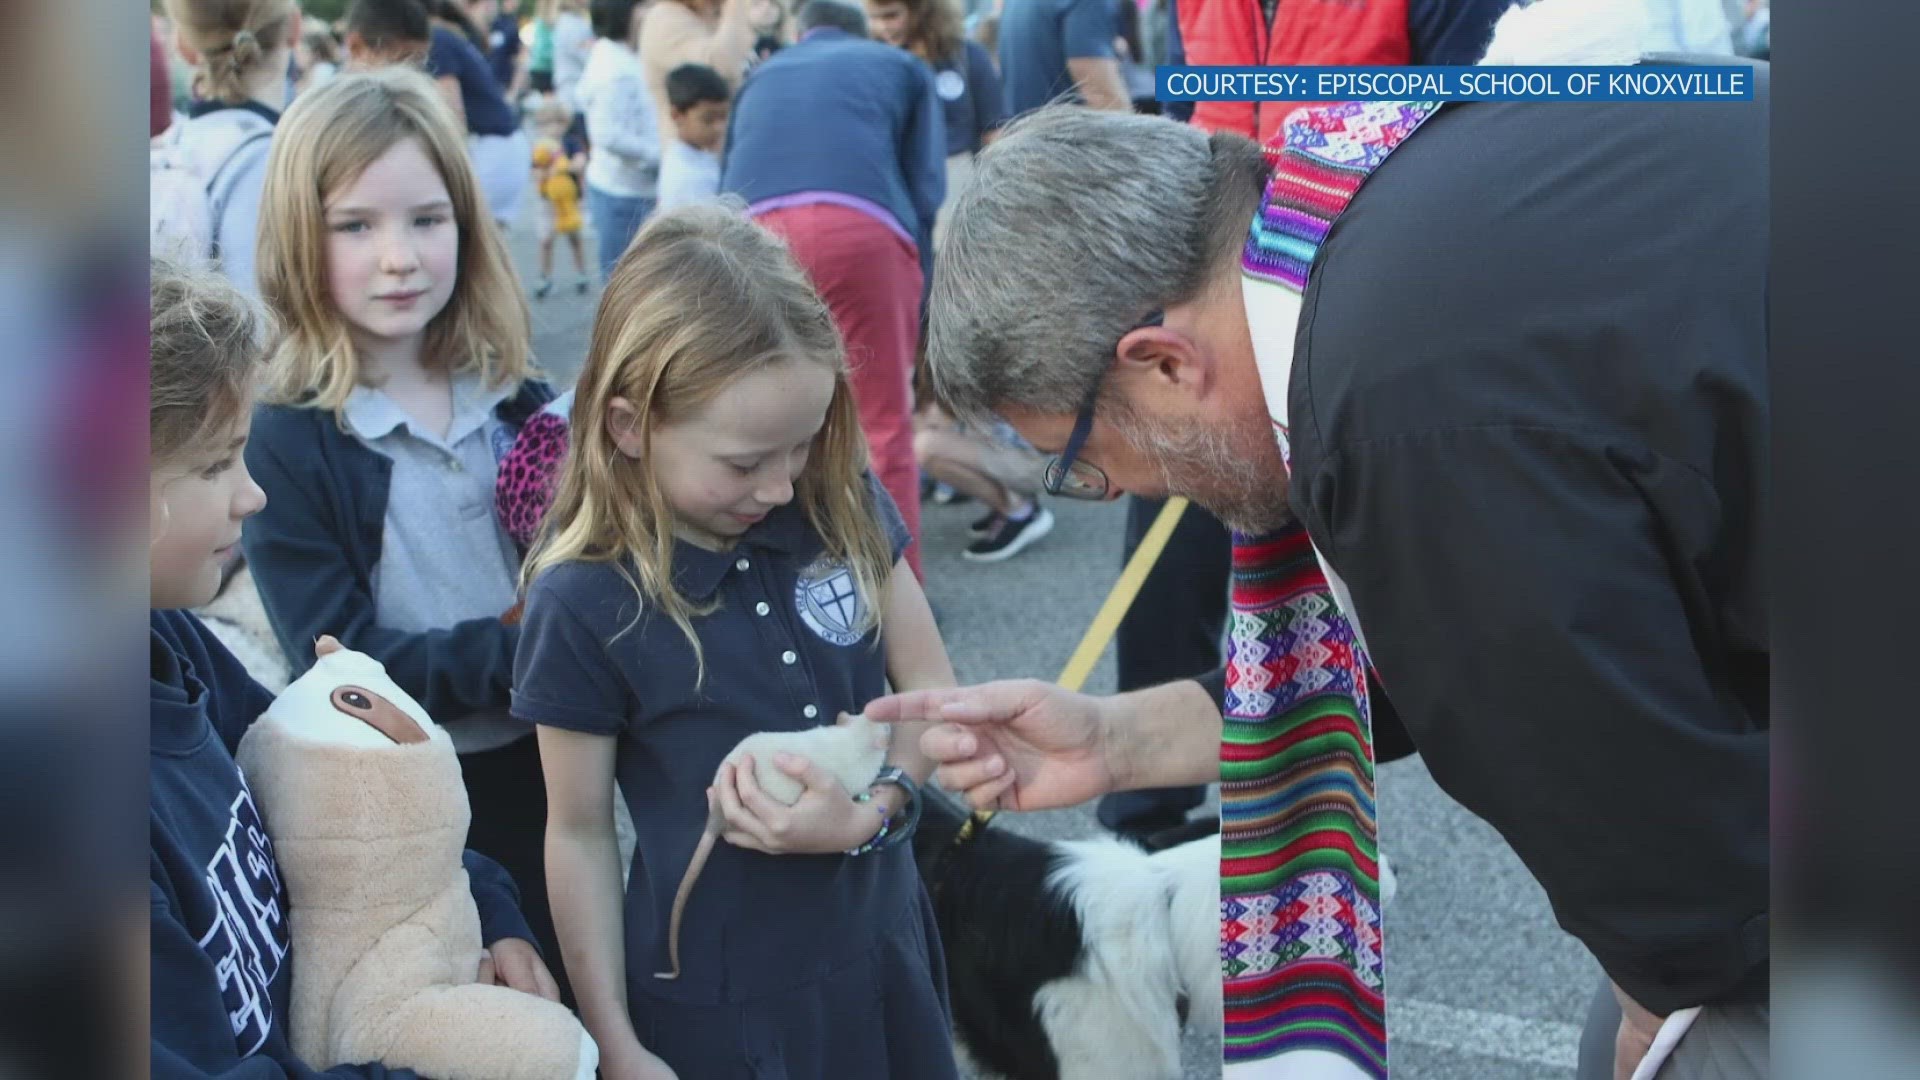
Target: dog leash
1105 623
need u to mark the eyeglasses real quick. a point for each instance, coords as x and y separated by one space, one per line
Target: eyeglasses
1067 476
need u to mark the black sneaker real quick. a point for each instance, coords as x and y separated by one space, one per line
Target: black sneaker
986 524
541 290
1010 537
581 286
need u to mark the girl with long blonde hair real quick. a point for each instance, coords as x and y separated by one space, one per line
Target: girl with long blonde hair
717 561
401 374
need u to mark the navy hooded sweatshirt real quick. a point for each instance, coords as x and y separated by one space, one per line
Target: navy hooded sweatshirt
221 972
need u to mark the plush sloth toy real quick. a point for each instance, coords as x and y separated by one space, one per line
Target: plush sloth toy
362 796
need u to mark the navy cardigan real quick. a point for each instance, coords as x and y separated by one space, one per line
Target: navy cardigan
314 546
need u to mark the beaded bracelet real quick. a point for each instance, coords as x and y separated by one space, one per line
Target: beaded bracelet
910 814
875 841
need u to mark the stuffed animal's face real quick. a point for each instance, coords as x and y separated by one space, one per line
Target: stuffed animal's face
346 699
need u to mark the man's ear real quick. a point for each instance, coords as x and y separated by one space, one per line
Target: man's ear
623 425
1156 359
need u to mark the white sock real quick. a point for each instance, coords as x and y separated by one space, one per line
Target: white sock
1024 512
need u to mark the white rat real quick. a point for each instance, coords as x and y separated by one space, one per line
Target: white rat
851 750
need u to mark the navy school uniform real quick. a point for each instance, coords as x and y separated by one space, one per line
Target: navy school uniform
220 963
792 966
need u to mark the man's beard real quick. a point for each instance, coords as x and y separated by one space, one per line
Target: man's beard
1235 471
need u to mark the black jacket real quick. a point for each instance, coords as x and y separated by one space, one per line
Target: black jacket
315 544
1529 429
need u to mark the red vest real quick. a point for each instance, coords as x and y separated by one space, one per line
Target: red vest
1328 32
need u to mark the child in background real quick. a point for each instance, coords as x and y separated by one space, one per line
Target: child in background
318 56
398 32
718 484
220 969
206 200
698 100
540 49
556 168
402 374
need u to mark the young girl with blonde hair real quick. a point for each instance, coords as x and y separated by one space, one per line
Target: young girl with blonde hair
717 562
402 373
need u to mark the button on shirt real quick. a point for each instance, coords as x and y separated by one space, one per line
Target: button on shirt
444 557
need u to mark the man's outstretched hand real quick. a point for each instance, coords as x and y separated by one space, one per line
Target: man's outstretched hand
1015 745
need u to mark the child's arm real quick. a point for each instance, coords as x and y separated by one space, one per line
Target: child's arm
583 885
916 660
450 92
567 686
496 897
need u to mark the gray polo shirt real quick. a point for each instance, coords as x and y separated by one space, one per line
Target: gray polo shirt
444 557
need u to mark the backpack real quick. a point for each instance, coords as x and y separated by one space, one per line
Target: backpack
188 194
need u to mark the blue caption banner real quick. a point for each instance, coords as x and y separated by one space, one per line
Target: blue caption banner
1728 82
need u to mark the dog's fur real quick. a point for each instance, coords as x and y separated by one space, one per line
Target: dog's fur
1077 959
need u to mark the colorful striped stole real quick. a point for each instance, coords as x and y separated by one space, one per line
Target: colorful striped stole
1299 878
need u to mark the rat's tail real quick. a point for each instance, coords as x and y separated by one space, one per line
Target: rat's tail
699 861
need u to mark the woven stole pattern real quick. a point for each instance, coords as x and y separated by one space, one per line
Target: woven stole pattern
1299 886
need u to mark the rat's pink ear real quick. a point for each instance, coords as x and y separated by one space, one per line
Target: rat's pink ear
326 645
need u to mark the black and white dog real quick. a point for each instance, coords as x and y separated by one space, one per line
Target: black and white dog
1072 959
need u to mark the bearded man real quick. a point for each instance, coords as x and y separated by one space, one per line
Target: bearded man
1483 394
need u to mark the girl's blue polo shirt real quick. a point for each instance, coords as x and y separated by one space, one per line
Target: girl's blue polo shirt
792 965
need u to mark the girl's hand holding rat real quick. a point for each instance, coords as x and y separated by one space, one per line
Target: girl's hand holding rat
823 821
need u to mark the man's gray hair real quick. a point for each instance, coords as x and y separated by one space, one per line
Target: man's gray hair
833 13
1076 225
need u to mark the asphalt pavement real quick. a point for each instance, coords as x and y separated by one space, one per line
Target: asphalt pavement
1481 984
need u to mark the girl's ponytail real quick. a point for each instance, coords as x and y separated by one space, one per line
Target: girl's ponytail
232 38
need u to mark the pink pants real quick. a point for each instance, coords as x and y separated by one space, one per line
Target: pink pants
870 279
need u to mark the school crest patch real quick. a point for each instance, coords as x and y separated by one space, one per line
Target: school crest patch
827 601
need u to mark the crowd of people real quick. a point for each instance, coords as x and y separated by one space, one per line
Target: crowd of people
849 259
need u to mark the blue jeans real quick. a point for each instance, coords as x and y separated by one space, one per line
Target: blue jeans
615 219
